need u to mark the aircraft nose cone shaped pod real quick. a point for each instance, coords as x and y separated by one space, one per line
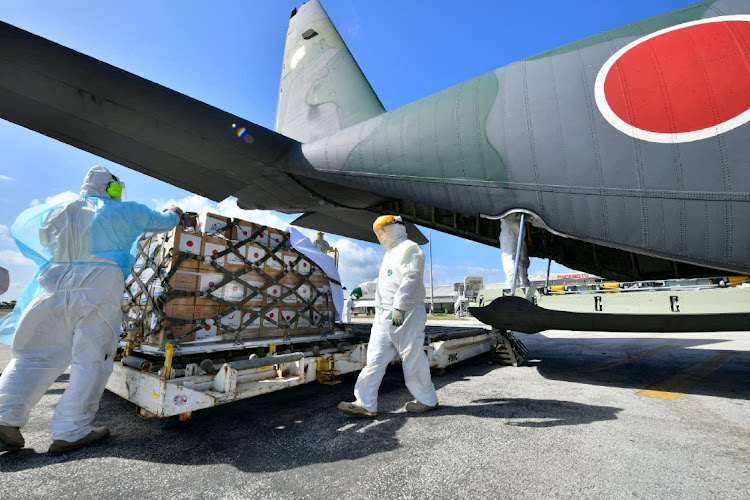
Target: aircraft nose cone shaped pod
4 280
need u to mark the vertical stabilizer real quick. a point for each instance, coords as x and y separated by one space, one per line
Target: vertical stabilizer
322 87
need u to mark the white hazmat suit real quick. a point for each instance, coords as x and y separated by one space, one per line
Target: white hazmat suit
510 228
398 287
70 315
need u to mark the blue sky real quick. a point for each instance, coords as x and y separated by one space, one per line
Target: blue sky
229 55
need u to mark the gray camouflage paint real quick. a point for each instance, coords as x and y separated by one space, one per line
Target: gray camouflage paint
529 136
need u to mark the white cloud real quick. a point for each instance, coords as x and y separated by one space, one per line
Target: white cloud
6 178
14 290
14 258
5 234
357 263
56 198
354 28
228 208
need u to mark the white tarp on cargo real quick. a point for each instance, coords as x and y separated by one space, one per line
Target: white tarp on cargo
303 245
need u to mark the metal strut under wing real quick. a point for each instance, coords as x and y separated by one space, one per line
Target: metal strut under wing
518 314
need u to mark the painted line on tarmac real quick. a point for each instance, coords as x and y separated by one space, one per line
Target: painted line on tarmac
677 385
628 358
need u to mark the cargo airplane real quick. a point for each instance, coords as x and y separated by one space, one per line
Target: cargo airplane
629 149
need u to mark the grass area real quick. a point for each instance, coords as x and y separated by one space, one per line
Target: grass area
5 310
446 316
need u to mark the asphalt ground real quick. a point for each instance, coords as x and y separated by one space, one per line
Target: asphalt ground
571 422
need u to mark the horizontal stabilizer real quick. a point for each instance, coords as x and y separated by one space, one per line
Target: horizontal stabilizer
518 314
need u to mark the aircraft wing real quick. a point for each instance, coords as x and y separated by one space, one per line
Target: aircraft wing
137 123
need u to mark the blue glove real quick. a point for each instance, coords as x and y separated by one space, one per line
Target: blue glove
356 293
397 317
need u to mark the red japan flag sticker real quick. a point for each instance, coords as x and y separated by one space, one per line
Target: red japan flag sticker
681 84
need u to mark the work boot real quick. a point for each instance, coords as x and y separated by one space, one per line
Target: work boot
10 438
417 407
96 435
355 409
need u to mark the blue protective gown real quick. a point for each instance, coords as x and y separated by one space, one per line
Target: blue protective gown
70 313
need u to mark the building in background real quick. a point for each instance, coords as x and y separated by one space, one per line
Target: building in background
447 296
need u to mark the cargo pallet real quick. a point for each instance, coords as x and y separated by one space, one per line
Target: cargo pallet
160 387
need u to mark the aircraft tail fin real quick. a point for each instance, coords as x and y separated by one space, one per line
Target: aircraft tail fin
323 88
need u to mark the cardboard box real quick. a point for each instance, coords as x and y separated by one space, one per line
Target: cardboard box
203 311
132 328
231 321
211 247
254 253
262 238
290 295
274 293
185 281
251 320
234 259
271 319
277 239
206 281
319 279
209 223
276 265
257 280
156 289
305 292
232 292
176 241
207 332
290 259
251 329
147 277
209 280
180 307
304 266
289 317
243 230
156 333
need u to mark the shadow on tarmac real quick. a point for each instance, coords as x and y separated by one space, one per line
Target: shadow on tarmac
637 363
298 427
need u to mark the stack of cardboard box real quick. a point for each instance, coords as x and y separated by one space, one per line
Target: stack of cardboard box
221 279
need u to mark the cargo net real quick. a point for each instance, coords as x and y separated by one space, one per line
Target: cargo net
222 289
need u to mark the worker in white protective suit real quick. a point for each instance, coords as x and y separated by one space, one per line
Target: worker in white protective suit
510 228
70 315
398 327
321 244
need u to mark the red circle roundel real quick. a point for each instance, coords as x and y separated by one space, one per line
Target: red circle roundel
683 83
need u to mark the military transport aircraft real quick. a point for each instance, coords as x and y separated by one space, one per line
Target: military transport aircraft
630 149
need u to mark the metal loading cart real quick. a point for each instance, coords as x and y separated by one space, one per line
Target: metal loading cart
168 383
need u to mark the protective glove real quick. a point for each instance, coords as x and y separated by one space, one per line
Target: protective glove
356 293
397 317
175 209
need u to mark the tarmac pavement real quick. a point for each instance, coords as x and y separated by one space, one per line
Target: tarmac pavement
572 422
